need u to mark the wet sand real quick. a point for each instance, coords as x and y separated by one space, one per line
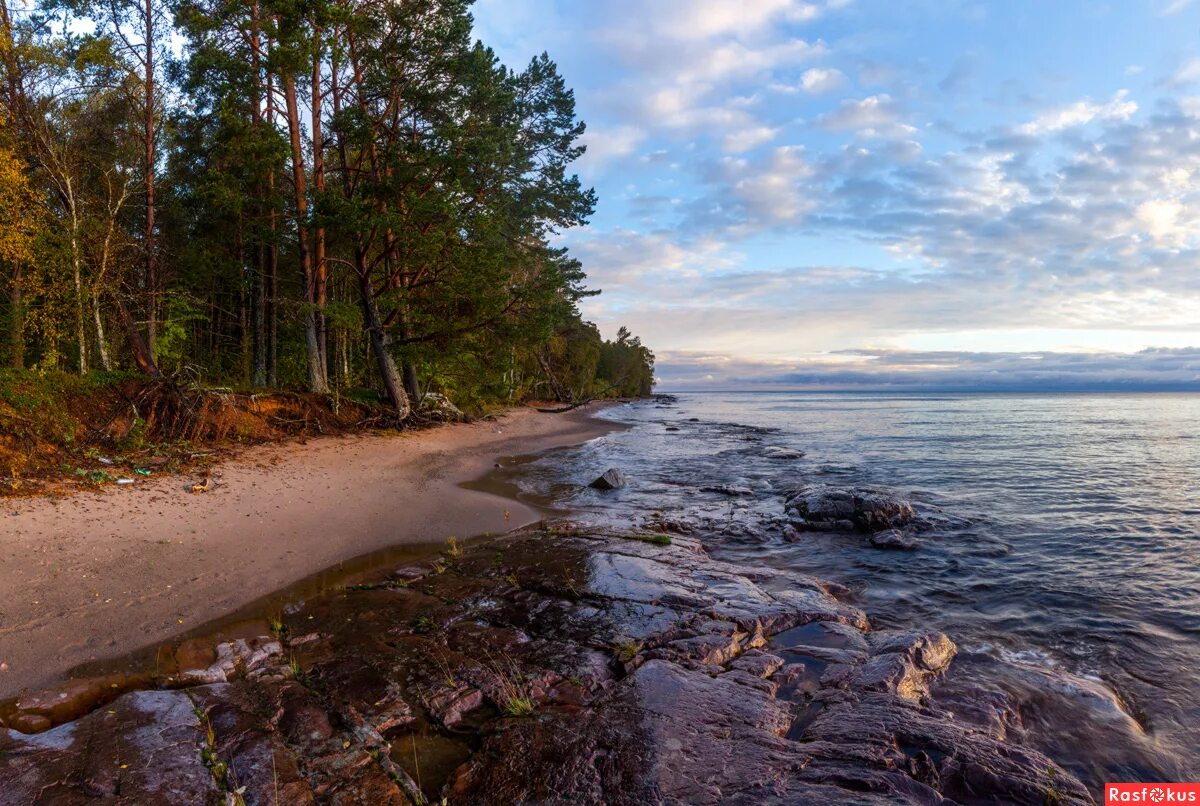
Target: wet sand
98 575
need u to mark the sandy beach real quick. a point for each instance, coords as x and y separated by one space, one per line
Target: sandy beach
97 575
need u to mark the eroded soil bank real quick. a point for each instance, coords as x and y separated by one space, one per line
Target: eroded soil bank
560 665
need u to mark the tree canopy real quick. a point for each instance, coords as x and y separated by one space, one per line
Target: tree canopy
323 194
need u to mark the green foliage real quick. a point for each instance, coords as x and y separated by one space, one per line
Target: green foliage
425 223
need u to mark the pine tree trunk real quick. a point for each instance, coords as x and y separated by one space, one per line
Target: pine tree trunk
259 301
141 354
272 259
151 208
393 385
320 266
317 381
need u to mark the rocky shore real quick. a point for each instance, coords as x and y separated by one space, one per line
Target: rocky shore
554 665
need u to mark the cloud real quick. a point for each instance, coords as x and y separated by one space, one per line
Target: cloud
605 144
872 112
749 138
757 212
1176 6
1081 113
817 80
1187 73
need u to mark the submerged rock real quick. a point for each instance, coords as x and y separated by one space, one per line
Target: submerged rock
893 539
591 668
780 452
612 479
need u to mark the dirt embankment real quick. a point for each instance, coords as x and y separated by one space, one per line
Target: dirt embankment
59 434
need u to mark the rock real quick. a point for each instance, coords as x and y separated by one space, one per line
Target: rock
612 479
828 509
230 659
904 663
758 663
30 723
893 539
730 490
142 748
782 453
599 670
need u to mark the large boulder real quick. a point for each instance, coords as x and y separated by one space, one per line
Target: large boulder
827 509
612 479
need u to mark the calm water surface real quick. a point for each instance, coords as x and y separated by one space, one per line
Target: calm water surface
1065 558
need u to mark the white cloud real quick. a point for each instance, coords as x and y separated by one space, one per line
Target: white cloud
607 144
821 79
1161 219
1176 6
872 112
1081 113
747 139
1188 72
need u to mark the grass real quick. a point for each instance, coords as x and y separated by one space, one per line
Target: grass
423 624
513 696
657 540
220 771
447 675
452 548
626 650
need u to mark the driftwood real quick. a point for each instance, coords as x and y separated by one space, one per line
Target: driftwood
571 407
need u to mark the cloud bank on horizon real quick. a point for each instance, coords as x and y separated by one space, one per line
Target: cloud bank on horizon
900 194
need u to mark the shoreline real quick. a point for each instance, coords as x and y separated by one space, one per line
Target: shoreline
96 577
607 666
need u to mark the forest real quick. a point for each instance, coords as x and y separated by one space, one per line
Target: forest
336 196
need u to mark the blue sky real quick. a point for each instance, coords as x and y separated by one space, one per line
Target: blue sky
887 192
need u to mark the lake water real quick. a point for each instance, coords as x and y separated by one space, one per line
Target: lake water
1064 557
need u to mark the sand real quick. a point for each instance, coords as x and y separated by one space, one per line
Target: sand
95 576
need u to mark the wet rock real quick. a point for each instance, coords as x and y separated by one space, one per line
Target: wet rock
606 670
226 661
730 490
893 539
36 711
904 663
758 663
142 748
862 510
612 479
779 452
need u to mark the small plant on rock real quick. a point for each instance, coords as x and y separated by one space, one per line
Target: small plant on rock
626 650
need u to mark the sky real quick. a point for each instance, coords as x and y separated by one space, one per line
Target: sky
886 193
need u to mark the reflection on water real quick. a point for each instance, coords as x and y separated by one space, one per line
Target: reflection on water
1064 559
